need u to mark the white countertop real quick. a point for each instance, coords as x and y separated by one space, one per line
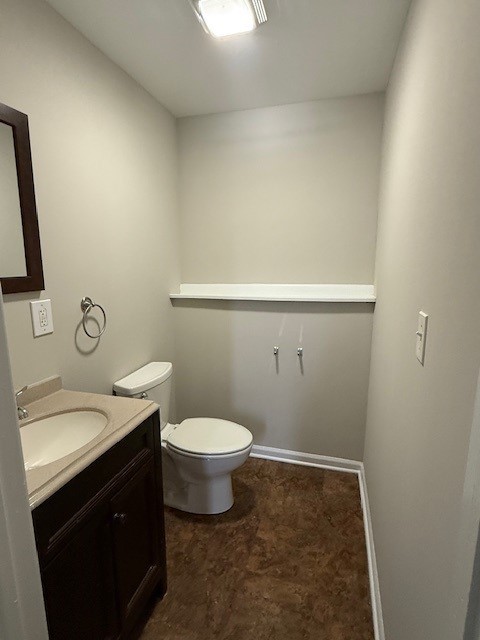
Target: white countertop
123 414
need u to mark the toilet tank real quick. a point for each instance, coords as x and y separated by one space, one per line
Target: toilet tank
152 382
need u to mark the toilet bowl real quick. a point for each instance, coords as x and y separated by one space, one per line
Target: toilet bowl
199 454
204 452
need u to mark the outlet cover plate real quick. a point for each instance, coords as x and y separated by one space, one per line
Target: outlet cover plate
42 319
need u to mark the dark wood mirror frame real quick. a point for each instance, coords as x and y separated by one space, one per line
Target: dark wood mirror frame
33 281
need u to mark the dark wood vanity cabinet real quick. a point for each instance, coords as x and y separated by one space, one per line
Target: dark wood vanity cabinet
79 585
101 541
135 539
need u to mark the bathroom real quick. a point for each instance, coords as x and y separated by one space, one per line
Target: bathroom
269 212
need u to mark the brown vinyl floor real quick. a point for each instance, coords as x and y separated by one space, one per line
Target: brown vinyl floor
288 561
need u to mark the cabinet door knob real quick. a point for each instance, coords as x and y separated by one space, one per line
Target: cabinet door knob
120 518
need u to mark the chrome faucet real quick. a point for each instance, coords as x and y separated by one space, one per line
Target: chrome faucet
21 411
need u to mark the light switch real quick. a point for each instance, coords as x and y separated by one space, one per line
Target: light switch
42 319
421 336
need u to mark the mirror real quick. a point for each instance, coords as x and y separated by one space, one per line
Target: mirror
20 254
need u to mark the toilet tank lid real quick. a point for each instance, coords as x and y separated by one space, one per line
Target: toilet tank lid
143 379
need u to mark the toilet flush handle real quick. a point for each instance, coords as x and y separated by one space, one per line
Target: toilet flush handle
144 396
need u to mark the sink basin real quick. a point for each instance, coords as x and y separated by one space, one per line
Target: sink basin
53 437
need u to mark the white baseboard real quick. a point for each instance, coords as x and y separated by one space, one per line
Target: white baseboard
372 560
347 466
306 459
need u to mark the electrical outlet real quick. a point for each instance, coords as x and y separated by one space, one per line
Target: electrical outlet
42 319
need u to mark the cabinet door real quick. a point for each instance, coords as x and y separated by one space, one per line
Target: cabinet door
79 587
135 539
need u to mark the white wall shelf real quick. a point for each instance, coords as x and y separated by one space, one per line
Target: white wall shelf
278 292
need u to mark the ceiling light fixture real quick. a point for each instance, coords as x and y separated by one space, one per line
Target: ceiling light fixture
222 18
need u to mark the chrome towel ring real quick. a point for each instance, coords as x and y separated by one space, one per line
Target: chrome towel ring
87 305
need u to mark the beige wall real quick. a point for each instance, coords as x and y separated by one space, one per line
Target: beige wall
280 195
22 613
226 368
419 418
105 169
285 194
104 156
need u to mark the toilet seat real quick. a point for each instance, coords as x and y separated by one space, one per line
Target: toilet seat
208 437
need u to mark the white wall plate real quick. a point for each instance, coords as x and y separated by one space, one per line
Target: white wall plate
42 319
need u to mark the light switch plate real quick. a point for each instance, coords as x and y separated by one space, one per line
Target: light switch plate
421 336
42 319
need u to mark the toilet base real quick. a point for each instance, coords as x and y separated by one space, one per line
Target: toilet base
210 497
199 483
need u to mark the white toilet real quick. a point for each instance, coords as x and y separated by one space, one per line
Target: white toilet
199 454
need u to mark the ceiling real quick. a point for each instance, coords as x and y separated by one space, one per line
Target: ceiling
308 50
